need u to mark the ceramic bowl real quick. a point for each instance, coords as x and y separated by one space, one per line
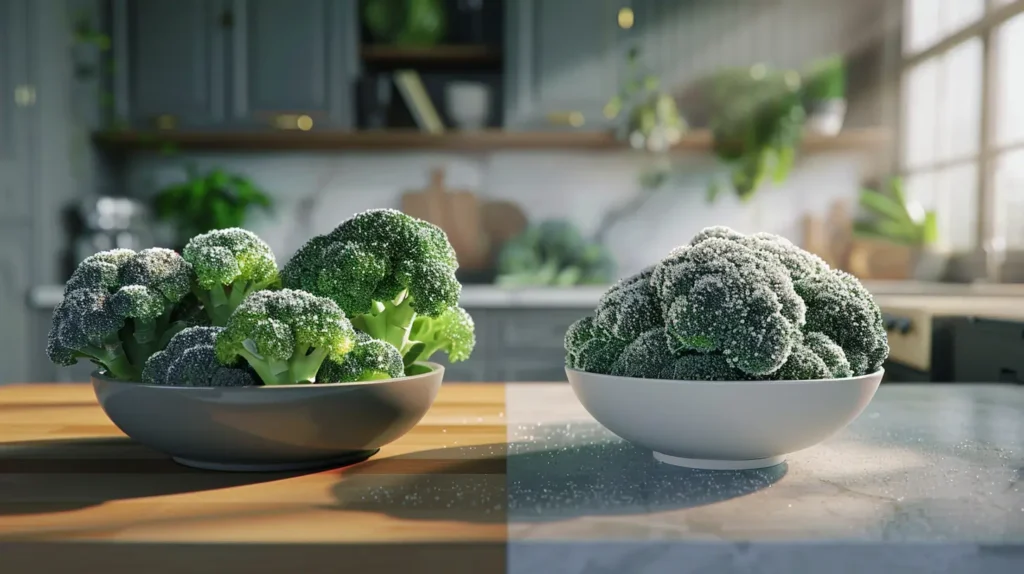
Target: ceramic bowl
723 425
276 428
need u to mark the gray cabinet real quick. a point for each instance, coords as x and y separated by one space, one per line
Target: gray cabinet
293 59
564 60
169 63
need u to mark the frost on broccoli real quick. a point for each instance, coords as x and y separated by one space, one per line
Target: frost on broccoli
370 360
451 332
591 348
645 357
285 335
830 353
839 307
189 360
702 367
383 268
630 307
120 307
229 264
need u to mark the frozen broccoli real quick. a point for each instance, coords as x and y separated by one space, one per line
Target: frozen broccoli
830 353
702 367
370 360
592 348
645 357
451 331
229 264
630 307
120 307
383 268
189 360
285 335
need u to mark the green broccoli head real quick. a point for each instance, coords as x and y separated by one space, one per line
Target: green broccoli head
382 268
719 295
592 348
645 357
630 307
119 308
189 360
839 307
229 264
370 360
451 332
702 367
285 335
830 353
780 250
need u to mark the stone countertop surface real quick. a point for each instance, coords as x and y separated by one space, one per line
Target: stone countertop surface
928 478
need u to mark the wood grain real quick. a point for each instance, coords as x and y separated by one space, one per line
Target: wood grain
69 475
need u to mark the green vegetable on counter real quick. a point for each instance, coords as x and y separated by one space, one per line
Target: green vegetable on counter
554 253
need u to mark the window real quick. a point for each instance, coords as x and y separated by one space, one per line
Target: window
962 121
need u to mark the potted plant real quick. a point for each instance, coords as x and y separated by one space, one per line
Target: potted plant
729 353
890 218
824 95
651 121
205 202
554 253
218 359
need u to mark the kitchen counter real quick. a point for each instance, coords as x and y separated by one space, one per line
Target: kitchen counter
519 478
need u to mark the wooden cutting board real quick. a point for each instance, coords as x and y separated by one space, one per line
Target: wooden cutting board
458 213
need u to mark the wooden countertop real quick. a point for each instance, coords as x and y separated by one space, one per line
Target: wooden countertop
68 475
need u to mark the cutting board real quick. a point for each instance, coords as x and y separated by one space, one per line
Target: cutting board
458 213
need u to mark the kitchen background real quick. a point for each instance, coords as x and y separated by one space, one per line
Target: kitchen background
560 143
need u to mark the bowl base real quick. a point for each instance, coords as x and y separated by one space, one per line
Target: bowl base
711 464
345 460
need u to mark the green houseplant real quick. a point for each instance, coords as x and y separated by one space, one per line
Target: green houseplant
650 119
824 95
891 217
205 202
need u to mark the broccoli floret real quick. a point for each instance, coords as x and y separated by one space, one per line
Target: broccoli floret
370 360
189 360
719 295
452 332
120 307
802 364
630 307
591 348
839 307
645 357
383 268
285 335
702 367
798 262
832 354
229 264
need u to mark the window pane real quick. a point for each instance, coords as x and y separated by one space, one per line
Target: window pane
1009 198
958 14
920 112
1009 82
952 194
960 96
922 24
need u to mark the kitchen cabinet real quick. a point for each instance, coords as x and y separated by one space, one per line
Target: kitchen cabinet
169 63
220 64
564 60
293 59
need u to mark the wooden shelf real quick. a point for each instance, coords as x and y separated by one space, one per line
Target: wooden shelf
698 141
447 54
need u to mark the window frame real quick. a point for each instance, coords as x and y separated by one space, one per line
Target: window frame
989 150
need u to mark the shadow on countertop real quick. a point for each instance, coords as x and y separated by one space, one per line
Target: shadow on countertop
46 476
538 480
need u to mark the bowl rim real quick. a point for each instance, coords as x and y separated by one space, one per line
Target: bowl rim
435 369
878 373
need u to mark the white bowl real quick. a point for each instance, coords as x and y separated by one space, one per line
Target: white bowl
723 425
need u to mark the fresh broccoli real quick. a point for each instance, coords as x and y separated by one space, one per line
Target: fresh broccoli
285 335
452 332
189 360
370 360
229 264
592 348
728 306
383 268
120 307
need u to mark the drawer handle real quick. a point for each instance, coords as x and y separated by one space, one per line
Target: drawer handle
569 118
301 122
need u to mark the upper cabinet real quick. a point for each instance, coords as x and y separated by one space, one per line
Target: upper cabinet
293 63
218 64
169 63
564 61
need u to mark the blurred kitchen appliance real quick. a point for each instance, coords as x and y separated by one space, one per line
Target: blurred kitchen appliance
111 223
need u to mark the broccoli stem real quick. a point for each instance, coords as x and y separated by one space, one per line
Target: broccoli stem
114 361
302 367
239 290
271 371
220 301
392 324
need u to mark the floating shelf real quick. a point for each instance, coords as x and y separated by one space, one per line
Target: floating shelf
697 141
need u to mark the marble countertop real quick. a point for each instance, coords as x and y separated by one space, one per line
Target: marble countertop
928 478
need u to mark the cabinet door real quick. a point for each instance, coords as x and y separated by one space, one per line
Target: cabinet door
14 277
169 63
293 59
17 100
563 62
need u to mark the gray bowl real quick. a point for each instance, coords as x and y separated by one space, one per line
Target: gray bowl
276 428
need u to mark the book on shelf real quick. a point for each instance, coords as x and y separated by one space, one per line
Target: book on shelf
410 86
